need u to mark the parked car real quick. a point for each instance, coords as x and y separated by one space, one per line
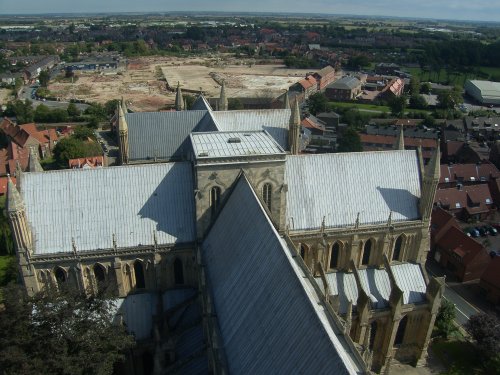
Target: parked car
491 230
472 232
482 231
496 226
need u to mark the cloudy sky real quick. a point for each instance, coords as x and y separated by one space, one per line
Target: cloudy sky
485 10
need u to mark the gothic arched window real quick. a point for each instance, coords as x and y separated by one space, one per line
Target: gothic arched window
397 248
60 275
214 200
400 334
367 249
140 282
334 255
373 333
267 191
303 251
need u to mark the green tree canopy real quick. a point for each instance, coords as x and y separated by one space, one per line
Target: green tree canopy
44 78
398 105
234 104
73 110
350 141
72 148
22 110
444 322
449 99
318 103
59 332
417 101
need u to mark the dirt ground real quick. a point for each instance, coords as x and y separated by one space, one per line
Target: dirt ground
144 83
5 96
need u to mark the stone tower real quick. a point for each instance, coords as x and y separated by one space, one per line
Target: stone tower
286 100
122 135
294 129
430 181
21 233
223 104
33 163
179 100
400 140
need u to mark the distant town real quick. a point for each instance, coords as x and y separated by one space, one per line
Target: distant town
243 193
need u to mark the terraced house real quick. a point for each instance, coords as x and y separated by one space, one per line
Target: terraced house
229 252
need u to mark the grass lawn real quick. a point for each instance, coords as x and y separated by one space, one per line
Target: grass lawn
371 107
458 356
451 77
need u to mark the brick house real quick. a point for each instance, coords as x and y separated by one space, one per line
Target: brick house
466 202
466 258
344 89
467 174
324 77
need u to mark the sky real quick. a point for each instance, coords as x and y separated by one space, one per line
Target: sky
480 10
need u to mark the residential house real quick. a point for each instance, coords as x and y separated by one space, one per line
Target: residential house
344 89
483 128
306 86
467 174
86 163
372 142
466 202
466 258
324 77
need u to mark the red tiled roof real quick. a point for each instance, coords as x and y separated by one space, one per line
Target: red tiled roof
308 82
93 161
475 199
468 172
310 124
455 240
390 140
452 147
3 184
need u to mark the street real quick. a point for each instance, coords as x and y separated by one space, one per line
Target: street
463 309
27 91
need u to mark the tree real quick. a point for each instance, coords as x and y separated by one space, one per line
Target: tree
485 330
44 78
73 148
398 105
110 106
73 110
234 104
317 103
59 332
22 110
444 322
449 99
425 88
350 141
414 86
417 101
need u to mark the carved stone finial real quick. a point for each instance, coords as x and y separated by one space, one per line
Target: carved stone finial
356 225
73 245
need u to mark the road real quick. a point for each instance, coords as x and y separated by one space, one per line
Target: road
27 91
463 309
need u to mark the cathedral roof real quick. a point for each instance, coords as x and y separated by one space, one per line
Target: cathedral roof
164 135
231 144
377 285
274 121
335 188
270 316
91 206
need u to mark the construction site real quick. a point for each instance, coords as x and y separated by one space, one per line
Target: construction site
148 83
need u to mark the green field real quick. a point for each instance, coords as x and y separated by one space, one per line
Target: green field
372 107
447 76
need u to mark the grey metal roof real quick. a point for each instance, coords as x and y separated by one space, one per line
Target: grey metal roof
376 284
274 121
164 135
337 187
270 319
91 205
137 311
345 83
201 104
224 144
